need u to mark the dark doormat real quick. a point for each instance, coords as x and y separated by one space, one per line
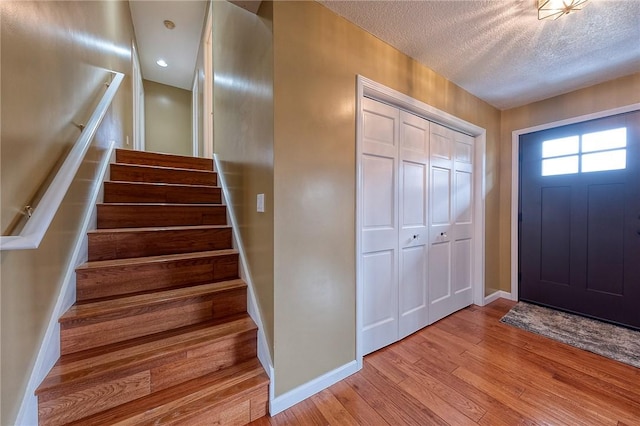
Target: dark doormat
615 342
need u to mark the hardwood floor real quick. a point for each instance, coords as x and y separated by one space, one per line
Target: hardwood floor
470 369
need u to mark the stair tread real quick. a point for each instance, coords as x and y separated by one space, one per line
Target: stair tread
163 204
157 229
124 156
102 308
126 357
186 397
145 166
180 185
154 259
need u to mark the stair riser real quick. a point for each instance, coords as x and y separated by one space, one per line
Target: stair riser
239 411
205 360
101 393
132 173
95 283
162 160
124 192
138 216
96 331
121 245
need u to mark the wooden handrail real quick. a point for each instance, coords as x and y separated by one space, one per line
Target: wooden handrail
40 220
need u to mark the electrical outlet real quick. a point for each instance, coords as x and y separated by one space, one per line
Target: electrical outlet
260 202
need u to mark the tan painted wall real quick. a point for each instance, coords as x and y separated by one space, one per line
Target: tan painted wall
167 119
243 134
54 57
317 56
612 94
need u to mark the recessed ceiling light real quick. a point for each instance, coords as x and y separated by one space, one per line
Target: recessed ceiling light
162 63
169 24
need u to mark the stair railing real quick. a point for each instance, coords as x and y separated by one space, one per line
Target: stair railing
39 218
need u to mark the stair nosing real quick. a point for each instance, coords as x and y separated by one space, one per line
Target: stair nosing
164 168
97 264
191 158
156 298
89 368
164 204
129 182
157 229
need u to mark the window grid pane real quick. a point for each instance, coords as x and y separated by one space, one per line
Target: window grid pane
605 140
559 147
560 166
607 160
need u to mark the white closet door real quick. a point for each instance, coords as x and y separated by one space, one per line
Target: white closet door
379 224
462 221
413 226
450 251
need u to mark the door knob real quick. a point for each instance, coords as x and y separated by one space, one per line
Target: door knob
416 236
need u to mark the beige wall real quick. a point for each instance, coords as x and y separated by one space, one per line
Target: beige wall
612 94
167 119
54 61
243 134
317 56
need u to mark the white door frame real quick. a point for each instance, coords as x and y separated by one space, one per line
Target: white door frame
515 175
195 134
138 101
371 89
207 110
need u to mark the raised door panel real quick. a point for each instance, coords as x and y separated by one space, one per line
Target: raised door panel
380 129
380 313
462 253
413 295
439 273
379 193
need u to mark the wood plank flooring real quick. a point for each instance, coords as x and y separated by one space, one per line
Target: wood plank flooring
470 369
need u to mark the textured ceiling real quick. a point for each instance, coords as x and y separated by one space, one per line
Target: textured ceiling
179 47
499 51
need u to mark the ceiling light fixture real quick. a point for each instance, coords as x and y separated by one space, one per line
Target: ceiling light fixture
162 63
169 24
554 9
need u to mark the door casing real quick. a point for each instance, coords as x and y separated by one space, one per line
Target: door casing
371 89
515 176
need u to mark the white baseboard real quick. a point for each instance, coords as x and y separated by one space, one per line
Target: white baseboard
49 351
302 392
252 303
497 295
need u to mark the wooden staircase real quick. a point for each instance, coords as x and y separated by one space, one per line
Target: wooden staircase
159 333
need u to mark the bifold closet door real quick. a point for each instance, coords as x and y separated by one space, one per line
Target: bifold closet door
413 227
451 222
394 167
379 224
